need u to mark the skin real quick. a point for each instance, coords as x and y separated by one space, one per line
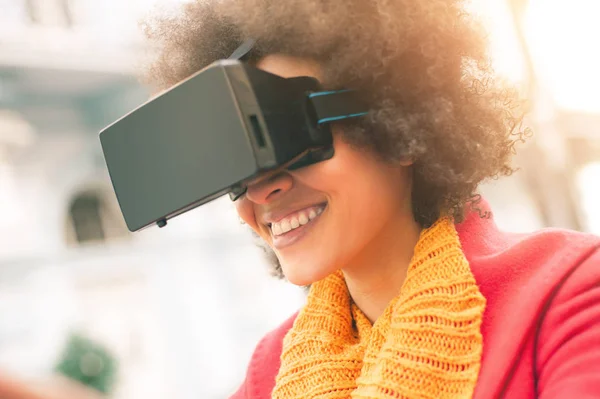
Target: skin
367 229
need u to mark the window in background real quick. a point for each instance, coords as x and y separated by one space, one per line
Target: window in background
94 219
53 12
85 218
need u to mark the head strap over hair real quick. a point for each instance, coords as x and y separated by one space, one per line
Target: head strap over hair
242 53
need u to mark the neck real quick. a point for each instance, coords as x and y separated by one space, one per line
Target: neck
376 276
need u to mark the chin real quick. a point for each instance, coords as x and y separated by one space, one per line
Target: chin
304 273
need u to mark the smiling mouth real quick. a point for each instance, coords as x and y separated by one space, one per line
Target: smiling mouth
296 220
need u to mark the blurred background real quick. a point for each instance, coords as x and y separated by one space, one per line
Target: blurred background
177 312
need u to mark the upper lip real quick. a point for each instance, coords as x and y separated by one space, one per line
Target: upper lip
276 215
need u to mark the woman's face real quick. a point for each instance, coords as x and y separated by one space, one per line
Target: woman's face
326 216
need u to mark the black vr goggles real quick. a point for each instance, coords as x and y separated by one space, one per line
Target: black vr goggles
213 132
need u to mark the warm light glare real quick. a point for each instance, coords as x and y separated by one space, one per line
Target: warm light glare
505 51
564 38
589 185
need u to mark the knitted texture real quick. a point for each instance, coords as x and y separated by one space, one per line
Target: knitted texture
426 344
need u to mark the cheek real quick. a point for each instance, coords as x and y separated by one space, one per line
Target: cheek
355 179
361 197
363 192
245 211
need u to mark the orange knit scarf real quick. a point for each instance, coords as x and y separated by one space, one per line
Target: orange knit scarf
426 344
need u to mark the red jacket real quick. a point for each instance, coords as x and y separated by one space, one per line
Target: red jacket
541 326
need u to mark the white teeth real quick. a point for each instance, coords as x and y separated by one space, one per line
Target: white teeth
303 219
291 223
285 226
295 223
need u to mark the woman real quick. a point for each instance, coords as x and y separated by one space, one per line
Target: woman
414 293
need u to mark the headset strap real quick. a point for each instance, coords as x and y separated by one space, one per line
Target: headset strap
329 106
242 53
336 105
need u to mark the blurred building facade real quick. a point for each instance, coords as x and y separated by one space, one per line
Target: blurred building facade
181 307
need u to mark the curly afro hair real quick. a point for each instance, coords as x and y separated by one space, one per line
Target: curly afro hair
422 65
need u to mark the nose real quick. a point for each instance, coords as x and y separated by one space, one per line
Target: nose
270 188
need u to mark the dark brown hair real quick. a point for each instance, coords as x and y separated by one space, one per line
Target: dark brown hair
422 65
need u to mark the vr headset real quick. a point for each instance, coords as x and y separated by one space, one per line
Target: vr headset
213 132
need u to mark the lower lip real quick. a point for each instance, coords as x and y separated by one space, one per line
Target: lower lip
293 236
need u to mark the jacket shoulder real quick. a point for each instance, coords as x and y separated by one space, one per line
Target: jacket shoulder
264 364
531 282
567 361
503 259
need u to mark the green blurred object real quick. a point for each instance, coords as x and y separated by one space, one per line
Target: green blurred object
89 363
